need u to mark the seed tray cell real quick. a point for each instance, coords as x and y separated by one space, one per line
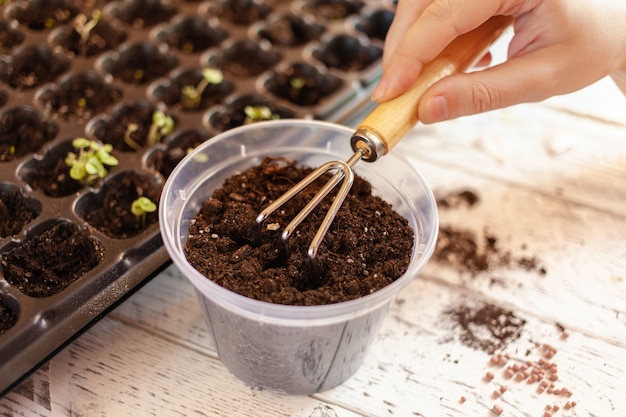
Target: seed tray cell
103 70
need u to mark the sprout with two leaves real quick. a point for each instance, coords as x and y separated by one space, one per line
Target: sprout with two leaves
191 96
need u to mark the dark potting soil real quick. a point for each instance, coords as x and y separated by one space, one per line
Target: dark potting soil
367 247
48 262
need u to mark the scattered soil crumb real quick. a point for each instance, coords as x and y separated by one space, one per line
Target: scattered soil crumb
458 199
485 326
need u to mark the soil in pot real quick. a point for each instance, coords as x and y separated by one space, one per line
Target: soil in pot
367 247
139 63
42 14
50 259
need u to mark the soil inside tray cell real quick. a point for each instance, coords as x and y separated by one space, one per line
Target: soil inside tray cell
79 96
189 90
191 34
8 316
165 160
377 24
9 37
15 210
245 58
50 259
139 63
239 12
347 53
290 30
51 174
131 127
88 35
31 66
143 13
367 247
333 10
23 131
247 109
42 14
110 210
302 84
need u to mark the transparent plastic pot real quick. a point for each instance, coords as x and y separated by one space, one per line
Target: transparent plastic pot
291 349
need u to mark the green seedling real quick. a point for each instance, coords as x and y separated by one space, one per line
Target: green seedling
259 113
297 83
84 26
192 96
162 125
90 163
141 207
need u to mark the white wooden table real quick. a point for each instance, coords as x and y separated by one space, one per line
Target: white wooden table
551 178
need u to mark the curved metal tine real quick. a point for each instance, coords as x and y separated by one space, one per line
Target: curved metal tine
348 180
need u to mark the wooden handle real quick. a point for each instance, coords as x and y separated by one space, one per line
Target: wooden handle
391 120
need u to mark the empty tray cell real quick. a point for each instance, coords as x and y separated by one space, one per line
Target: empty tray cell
32 65
8 315
238 12
142 13
41 14
118 209
88 35
51 174
377 24
133 126
191 34
245 58
79 96
165 160
138 63
16 211
290 30
54 255
333 10
193 89
22 131
302 84
247 109
347 53
9 37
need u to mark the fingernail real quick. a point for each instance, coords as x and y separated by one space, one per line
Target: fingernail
379 91
437 109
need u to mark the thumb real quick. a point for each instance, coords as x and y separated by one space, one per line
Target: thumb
522 79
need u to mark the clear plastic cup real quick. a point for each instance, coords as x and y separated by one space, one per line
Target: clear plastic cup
291 349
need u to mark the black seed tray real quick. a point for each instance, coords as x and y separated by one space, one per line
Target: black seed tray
62 77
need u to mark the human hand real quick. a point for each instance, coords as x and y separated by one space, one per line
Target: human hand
559 46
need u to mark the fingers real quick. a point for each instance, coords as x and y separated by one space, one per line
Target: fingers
524 79
415 41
